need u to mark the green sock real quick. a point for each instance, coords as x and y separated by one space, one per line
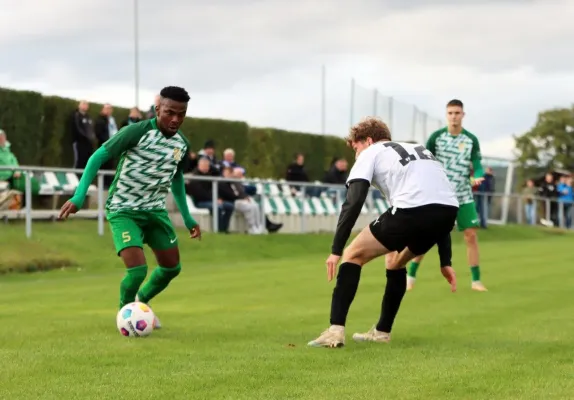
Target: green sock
131 283
160 278
413 269
475 273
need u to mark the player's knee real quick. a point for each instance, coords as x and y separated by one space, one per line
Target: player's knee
133 257
470 236
355 255
167 258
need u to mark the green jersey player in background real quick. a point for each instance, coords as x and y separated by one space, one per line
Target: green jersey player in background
459 151
151 160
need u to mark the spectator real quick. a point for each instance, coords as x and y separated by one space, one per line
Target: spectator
296 172
529 198
134 117
566 198
191 162
483 201
337 175
201 193
208 152
7 159
229 160
10 199
234 192
251 190
151 112
549 191
82 135
105 127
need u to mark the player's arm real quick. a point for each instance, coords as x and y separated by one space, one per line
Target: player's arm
180 197
122 141
94 163
358 184
357 192
476 159
431 142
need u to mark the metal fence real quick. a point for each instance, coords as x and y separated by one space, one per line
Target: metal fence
500 207
406 121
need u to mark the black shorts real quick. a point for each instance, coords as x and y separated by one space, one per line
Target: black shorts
418 228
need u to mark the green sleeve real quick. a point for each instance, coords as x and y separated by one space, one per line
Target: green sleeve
476 158
125 139
178 190
94 163
431 142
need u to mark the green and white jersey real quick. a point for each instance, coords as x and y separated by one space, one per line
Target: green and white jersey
458 154
148 161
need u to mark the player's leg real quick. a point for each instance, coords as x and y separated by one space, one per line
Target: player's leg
468 222
415 235
412 272
364 248
128 241
162 238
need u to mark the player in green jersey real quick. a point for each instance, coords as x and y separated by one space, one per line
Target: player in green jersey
151 159
459 151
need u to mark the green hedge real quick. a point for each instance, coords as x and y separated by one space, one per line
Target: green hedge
39 129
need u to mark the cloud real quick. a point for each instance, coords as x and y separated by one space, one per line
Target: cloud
260 61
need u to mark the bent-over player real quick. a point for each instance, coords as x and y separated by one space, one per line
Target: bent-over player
151 156
423 210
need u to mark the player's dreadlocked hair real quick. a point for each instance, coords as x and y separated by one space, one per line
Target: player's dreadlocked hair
370 127
175 93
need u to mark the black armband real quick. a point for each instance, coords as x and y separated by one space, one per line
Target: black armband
356 195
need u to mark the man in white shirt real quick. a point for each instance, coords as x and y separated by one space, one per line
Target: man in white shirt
423 211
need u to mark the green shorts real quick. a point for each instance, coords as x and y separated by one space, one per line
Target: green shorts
134 228
467 217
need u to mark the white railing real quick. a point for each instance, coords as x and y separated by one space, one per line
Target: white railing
498 208
101 201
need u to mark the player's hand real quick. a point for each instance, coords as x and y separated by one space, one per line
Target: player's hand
450 276
332 263
477 181
195 232
67 209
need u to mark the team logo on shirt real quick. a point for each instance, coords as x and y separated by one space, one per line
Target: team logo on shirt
177 154
461 146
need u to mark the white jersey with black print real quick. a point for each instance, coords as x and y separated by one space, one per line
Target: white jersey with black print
407 174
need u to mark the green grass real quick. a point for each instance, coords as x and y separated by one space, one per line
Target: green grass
238 318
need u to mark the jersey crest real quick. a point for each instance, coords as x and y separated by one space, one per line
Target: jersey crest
177 154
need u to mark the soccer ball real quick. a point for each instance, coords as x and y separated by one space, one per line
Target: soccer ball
135 319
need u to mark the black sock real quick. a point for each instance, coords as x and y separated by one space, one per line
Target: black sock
344 292
394 292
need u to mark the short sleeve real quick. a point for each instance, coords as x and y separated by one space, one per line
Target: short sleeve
125 139
364 167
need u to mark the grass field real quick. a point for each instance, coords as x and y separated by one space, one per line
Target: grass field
237 320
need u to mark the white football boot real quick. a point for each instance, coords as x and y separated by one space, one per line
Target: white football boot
332 338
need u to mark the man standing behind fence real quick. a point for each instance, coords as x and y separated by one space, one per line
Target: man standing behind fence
459 151
83 136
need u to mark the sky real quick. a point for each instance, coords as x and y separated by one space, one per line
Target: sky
262 61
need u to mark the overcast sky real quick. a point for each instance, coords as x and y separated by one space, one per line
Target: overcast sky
260 61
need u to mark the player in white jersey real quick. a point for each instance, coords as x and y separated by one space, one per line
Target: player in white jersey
423 210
